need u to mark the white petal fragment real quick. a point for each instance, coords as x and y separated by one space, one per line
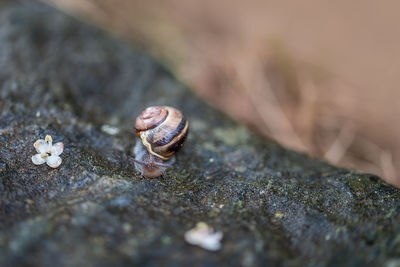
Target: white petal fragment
108 129
57 149
213 242
41 146
53 161
204 236
37 159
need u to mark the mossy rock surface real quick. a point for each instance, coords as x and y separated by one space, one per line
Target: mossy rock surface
61 77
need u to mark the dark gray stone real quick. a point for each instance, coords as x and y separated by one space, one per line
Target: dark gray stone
274 206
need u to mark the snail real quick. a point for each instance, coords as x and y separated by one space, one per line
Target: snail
162 131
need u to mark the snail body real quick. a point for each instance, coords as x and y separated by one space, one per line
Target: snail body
162 131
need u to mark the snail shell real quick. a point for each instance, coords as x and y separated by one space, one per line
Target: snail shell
162 131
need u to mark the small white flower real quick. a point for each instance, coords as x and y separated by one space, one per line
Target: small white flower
204 236
47 152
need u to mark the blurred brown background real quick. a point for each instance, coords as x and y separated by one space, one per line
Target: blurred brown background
317 76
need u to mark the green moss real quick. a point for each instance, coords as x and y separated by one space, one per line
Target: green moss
231 136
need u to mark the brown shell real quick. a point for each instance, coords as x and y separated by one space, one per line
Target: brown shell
150 118
163 130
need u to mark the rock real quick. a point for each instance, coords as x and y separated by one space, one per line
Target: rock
274 206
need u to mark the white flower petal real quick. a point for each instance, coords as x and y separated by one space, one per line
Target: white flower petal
53 161
41 146
212 242
204 236
57 149
48 139
37 159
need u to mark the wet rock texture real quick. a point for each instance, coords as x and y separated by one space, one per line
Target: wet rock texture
61 77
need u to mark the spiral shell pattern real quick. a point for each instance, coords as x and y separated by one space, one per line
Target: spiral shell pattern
163 130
